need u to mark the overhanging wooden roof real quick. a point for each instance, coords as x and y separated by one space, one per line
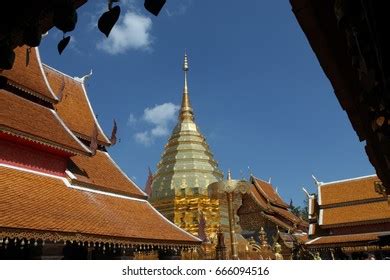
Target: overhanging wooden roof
348 54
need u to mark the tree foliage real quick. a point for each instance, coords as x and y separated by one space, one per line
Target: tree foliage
299 211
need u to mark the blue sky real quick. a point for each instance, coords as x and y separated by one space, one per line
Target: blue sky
259 94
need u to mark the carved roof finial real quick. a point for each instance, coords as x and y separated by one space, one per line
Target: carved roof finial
84 78
318 183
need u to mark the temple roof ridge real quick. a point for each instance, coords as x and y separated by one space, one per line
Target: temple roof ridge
348 180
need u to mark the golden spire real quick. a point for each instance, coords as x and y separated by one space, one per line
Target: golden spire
186 112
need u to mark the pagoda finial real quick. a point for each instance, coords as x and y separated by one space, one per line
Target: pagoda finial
229 175
186 109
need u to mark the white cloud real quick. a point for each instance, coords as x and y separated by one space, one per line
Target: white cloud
143 138
177 7
131 32
132 120
160 116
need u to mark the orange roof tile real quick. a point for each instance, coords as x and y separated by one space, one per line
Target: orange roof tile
348 190
358 213
74 107
102 172
279 211
38 123
29 78
269 192
277 221
34 202
333 240
287 214
258 197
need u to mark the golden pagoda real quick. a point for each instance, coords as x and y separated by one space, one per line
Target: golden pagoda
186 168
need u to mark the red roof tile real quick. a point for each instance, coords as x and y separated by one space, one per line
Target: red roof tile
34 202
269 192
102 172
29 78
359 213
287 215
276 211
355 189
74 107
258 197
38 123
278 221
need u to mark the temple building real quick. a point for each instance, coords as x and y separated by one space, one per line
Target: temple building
263 209
187 166
62 196
349 219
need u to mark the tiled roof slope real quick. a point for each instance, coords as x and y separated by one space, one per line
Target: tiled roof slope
360 214
34 202
24 118
351 201
348 190
102 172
29 78
74 106
273 205
341 239
269 192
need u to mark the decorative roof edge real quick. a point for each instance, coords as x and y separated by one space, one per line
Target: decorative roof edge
55 98
93 115
347 180
273 201
42 141
79 81
69 131
123 173
31 171
180 229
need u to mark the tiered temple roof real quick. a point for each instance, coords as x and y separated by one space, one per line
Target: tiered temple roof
270 205
348 213
17 114
33 81
75 194
74 105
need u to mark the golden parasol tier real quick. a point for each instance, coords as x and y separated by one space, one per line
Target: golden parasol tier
229 187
